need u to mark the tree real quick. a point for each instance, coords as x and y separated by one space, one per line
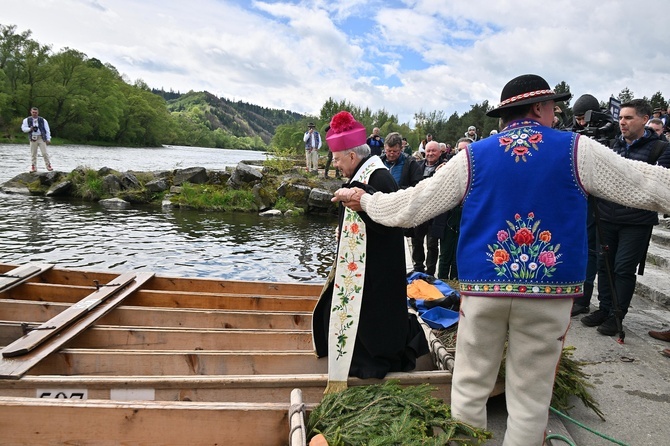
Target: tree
626 95
658 101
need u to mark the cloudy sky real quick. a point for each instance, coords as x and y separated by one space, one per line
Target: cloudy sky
400 55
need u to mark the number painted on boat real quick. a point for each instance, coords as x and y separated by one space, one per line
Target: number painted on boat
63 394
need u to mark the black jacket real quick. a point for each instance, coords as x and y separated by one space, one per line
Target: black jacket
640 150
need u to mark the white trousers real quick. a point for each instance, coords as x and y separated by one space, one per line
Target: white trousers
312 159
536 330
43 148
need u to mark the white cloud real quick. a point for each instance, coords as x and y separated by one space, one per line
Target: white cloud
403 56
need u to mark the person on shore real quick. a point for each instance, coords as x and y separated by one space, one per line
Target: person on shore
582 304
404 169
40 137
361 321
406 148
329 161
375 142
425 260
446 226
472 133
313 142
522 247
624 229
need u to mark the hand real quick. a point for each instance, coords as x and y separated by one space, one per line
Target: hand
557 109
350 197
49 142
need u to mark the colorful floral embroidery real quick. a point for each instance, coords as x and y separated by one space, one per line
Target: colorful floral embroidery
352 258
520 141
523 251
518 289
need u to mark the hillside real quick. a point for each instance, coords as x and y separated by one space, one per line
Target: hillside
237 118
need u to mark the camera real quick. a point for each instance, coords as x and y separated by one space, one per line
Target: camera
599 126
35 128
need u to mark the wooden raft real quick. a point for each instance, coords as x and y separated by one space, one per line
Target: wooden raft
173 345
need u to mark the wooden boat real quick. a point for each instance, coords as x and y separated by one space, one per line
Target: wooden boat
136 358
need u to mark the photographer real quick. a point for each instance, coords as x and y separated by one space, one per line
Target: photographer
40 136
375 142
590 121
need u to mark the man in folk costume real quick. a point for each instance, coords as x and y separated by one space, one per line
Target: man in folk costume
361 321
522 246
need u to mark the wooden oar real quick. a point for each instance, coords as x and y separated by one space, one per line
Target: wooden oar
19 356
20 274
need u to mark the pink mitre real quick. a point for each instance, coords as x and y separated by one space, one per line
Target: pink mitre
345 132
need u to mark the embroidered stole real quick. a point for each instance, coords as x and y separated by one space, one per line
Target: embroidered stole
348 288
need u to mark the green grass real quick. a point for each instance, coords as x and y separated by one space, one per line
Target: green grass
209 197
87 184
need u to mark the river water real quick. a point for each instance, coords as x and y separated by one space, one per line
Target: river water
85 235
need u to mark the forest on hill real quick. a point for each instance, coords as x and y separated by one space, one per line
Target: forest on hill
88 101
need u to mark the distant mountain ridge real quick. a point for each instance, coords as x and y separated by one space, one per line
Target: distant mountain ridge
237 118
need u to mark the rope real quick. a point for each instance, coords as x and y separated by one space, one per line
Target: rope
593 431
292 410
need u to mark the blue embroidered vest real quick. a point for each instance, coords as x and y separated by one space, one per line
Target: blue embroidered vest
523 228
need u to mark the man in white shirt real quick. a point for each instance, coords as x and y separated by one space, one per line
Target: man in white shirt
40 136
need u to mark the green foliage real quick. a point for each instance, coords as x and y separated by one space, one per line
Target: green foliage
279 160
388 414
218 198
284 204
87 184
87 101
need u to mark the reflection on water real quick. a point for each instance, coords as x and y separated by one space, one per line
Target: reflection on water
177 242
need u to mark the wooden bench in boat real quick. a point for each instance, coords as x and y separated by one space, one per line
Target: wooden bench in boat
142 423
20 355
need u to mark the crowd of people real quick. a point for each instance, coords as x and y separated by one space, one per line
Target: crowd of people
525 262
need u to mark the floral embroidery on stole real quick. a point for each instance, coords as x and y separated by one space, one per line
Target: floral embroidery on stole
348 289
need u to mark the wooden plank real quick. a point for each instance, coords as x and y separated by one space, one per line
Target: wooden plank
167 283
16 367
58 323
141 423
179 362
21 274
247 388
33 311
150 338
170 299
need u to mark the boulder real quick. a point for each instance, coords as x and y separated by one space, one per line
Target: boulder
271 213
103 171
193 175
261 196
320 198
219 177
158 185
114 203
61 189
15 188
130 181
111 184
244 174
295 193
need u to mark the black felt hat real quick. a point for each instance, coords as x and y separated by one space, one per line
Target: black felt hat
523 90
311 124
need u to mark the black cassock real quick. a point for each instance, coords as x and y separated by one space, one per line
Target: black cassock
389 339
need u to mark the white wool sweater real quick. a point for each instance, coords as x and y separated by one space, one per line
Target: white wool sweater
602 172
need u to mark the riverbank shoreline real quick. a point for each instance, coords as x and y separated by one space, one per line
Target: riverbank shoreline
251 186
